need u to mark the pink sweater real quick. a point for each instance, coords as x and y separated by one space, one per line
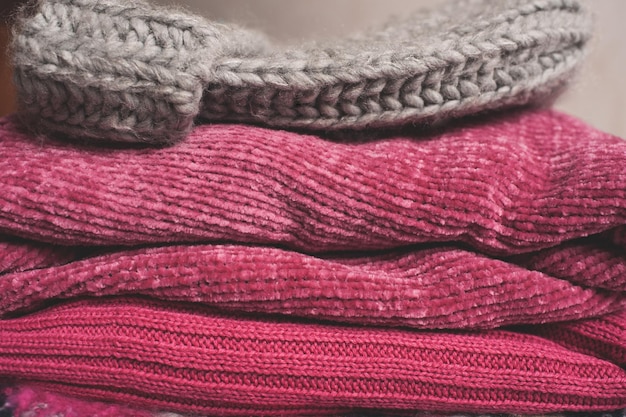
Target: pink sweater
191 359
514 184
433 288
521 220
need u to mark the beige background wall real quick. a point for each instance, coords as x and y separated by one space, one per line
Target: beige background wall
598 96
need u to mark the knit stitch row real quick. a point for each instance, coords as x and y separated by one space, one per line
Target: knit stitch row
603 337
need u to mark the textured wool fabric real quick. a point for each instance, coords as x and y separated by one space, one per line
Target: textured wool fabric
433 288
604 337
592 262
194 360
507 185
17 256
32 401
125 71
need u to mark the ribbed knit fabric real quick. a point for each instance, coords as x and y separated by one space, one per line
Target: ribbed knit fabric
508 185
187 359
126 71
515 219
436 288
32 401
593 262
604 337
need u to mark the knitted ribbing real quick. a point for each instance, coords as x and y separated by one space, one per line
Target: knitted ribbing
120 70
440 288
33 401
508 185
186 359
604 337
125 71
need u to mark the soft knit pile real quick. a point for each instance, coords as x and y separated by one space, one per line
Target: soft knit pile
499 238
509 185
445 288
474 268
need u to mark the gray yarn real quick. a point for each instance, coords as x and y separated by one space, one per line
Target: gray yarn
126 71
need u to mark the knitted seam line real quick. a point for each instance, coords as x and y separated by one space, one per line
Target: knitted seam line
127 71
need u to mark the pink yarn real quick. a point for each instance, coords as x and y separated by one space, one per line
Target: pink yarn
510 185
189 359
603 337
592 262
16 256
520 220
436 288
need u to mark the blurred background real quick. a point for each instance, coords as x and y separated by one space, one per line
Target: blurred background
598 95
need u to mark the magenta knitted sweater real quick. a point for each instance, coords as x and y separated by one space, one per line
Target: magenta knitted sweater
433 288
190 359
515 185
510 185
521 220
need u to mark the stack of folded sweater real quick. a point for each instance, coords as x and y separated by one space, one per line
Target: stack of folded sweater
381 256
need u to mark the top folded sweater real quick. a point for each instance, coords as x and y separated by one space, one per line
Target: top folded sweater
126 71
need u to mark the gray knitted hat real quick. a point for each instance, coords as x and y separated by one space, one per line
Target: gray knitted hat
126 71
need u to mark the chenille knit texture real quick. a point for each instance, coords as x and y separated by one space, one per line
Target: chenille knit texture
126 71
527 187
16 255
516 219
441 288
508 185
251 272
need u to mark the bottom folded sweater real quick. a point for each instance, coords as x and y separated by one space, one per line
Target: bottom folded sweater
192 359
32 401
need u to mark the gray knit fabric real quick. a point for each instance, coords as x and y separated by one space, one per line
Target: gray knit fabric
126 71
